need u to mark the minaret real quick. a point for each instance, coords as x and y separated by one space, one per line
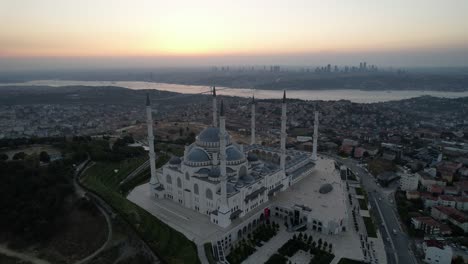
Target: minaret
222 152
316 124
223 211
252 123
215 108
152 155
283 134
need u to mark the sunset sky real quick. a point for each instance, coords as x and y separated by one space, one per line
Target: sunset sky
216 28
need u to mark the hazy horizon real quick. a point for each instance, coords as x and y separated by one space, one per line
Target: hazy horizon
54 34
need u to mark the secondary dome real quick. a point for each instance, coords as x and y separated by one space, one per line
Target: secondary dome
252 157
197 155
175 161
326 188
210 134
233 153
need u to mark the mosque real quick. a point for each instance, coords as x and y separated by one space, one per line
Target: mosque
236 186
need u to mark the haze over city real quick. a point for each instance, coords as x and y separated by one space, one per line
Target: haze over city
108 33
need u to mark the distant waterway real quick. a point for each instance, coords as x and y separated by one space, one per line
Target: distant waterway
358 96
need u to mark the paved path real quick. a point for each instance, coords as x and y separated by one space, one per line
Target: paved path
106 209
136 172
82 192
268 249
23 256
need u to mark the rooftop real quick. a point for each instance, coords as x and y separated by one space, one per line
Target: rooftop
306 192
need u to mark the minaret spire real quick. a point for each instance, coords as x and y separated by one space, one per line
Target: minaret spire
215 108
252 124
152 154
223 211
283 134
316 124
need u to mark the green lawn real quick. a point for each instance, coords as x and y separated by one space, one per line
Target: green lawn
363 204
359 191
10 260
350 261
209 253
370 227
170 245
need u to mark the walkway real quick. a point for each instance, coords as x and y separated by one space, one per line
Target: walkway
268 249
23 256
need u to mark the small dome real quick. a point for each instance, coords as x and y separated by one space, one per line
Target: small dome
210 134
252 157
232 153
239 184
197 155
230 188
175 161
205 171
247 179
214 172
326 188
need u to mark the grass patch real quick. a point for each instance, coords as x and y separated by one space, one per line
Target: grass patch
370 227
378 166
277 259
4 259
350 261
359 191
363 204
209 253
171 246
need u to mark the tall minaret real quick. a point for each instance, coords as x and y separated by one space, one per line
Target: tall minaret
283 134
152 155
215 108
316 124
222 151
224 212
252 123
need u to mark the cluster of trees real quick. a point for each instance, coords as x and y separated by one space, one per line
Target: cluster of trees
100 149
43 156
320 250
31 198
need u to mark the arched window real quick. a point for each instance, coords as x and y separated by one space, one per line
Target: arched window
168 179
179 182
187 177
242 171
195 188
209 194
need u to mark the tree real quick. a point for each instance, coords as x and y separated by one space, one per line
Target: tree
44 157
19 156
3 156
458 260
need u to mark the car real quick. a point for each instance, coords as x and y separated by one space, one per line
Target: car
394 231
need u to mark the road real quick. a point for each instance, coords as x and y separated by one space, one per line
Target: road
398 249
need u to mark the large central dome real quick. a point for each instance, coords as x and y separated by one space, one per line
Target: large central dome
210 134
209 138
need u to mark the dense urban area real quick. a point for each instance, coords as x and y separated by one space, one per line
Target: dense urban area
408 157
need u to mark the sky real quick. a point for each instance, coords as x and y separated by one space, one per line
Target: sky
173 32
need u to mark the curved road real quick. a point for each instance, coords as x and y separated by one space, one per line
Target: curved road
82 193
398 249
